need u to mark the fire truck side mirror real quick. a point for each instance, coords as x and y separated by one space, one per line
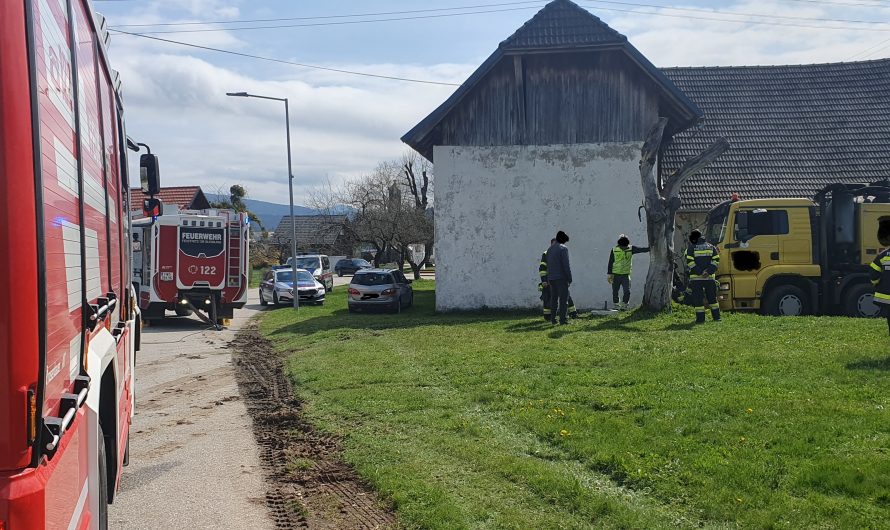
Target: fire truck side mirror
152 207
149 174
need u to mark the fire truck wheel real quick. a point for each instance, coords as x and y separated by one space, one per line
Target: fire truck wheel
102 516
263 301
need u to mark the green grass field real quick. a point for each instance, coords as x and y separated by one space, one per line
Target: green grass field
501 421
256 276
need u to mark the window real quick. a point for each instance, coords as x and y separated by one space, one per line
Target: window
373 278
763 222
325 263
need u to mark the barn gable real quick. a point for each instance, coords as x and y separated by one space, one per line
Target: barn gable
564 77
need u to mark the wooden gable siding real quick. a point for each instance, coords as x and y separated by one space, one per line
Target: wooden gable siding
569 98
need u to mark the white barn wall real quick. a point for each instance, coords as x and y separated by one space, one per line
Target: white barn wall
498 207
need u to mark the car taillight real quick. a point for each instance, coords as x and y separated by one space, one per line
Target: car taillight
388 292
354 292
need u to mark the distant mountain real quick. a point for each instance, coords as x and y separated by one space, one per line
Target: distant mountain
269 213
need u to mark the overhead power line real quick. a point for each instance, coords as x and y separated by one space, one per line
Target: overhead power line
282 61
716 15
340 22
735 21
323 17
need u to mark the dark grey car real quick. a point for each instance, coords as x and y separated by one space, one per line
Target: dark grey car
380 288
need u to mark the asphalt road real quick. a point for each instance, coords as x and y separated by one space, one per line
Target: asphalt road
193 459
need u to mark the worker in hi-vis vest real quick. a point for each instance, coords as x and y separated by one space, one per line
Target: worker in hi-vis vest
620 268
880 272
703 258
544 288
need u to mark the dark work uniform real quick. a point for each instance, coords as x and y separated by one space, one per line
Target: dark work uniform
703 259
880 278
559 276
544 287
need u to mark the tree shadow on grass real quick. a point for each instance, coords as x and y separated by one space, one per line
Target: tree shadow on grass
871 364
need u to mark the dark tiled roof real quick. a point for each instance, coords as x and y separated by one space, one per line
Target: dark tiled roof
184 197
562 24
312 230
792 129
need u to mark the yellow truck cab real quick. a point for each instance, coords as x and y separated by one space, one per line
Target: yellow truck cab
800 256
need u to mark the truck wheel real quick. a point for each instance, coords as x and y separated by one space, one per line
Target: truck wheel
183 311
786 301
263 301
859 302
102 516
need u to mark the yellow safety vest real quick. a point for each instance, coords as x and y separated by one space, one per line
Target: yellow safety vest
623 260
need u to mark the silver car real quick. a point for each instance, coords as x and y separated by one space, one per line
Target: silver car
278 287
380 288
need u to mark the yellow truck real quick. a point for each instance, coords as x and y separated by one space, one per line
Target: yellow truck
800 256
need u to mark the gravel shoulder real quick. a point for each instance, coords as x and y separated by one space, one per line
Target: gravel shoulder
193 459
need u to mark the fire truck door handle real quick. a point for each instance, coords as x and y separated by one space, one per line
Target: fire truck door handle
55 428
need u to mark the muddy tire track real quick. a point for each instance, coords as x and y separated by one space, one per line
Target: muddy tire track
309 485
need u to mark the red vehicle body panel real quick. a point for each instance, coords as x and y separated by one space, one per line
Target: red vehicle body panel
63 227
18 232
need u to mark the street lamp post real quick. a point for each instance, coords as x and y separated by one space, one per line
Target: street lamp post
290 181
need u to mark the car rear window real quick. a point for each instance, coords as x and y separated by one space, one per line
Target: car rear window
373 278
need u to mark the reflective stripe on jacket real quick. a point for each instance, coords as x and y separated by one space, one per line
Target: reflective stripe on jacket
702 259
880 277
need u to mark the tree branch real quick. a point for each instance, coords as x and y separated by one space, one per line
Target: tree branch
692 166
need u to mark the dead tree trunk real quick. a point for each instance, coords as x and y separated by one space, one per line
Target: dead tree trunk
661 202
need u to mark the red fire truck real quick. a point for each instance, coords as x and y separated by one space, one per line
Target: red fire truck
68 317
191 261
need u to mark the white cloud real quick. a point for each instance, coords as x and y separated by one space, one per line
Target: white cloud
177 104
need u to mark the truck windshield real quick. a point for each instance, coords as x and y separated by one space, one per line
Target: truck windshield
716 224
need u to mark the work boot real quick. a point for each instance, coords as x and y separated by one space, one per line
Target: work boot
573 314
715 314
699 317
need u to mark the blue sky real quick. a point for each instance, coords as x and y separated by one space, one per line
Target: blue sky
344 125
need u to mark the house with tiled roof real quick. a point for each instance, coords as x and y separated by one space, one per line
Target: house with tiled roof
316 234
181 197
546 135
792 130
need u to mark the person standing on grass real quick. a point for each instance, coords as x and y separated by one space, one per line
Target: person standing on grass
880 273
559 277
544 287
620 268
703 259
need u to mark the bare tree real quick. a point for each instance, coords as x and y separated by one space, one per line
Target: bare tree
420 229
662 201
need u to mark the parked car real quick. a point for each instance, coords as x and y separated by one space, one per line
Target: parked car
351 266
277 287
320 267
380 288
